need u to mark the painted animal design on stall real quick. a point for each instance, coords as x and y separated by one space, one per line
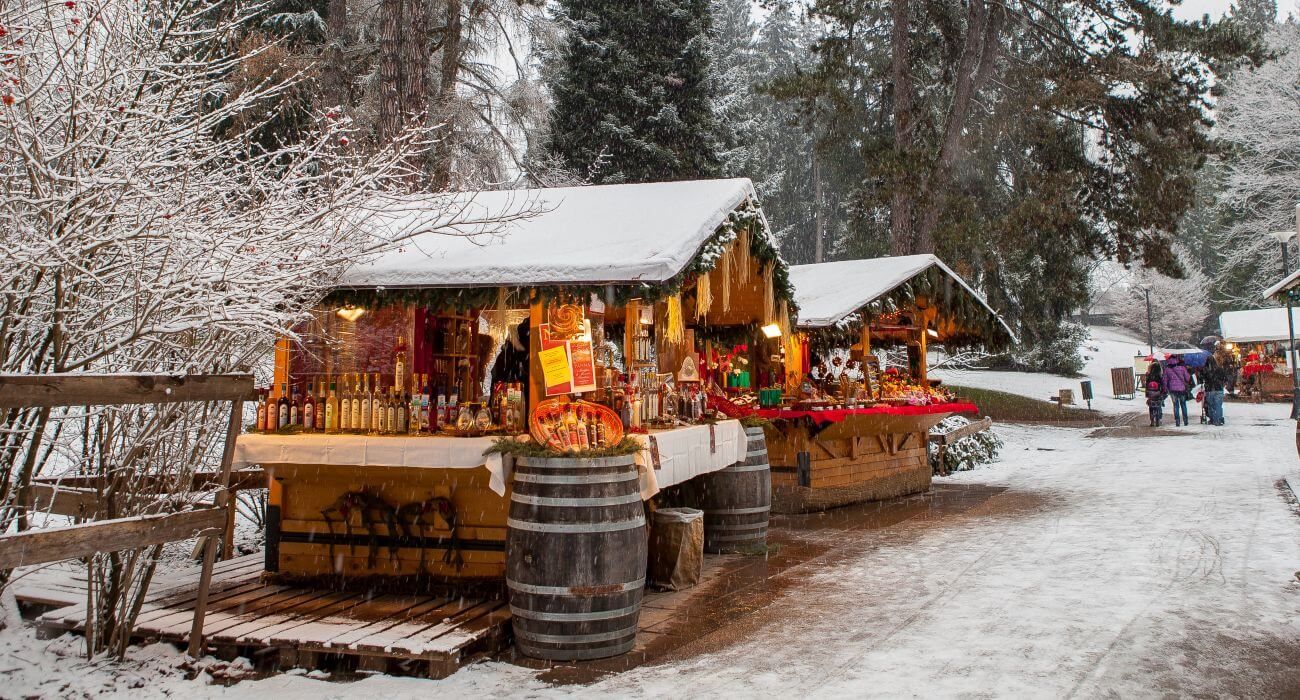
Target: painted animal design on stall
372 510
422 512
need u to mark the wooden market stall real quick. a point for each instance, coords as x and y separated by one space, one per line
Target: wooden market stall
1256 342
569 316
857 432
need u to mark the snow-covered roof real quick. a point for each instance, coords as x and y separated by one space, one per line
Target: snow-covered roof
567 235
1287 283
1257 325
828 292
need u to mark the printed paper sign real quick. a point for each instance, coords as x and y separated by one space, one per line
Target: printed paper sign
555 368
583 365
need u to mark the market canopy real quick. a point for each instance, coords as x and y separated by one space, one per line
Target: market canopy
1291 281
1256 325
837 294
605 234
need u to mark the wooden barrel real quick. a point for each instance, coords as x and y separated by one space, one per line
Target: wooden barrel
575 557
737 500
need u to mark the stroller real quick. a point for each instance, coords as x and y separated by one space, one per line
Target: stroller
1200 399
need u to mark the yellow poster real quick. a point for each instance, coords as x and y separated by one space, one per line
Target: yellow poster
555 366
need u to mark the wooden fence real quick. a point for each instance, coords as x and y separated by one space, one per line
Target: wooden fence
73 496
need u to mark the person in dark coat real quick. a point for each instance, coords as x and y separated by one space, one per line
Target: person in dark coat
1155 391
1214 376
1179 384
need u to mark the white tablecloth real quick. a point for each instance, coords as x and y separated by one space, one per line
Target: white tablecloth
377 451
684 453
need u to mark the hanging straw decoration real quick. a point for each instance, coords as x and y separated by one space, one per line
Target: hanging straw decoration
675 333
743 259
769 294
703 296
726 281
783 318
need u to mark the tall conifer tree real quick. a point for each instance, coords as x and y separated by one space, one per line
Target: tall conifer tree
632 91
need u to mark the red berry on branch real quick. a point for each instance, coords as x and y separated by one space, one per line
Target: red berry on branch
8 100
70 5
343 141
120 108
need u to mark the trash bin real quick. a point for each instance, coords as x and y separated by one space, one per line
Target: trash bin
676 547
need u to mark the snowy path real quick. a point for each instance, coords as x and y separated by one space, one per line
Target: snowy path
1157 565
1103 569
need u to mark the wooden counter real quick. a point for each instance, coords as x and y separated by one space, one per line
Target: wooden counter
857 458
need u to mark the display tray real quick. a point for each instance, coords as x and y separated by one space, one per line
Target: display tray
838 415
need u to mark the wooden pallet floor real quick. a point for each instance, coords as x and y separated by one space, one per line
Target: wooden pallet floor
314 628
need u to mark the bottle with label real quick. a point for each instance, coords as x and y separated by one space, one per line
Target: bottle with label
439 413
295 408
357 426
402 404
399 364
260 422
453 408
332 411
309 411
366 403
376 400
282 408
321 397
413 409
345 405
584 439
464 416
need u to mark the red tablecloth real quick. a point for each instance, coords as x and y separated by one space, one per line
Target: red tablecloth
838 415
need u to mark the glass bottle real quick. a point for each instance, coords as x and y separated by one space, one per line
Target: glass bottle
390 411
282 408
332 411
357 397
464 417
260 422
367 405
295 408
345 405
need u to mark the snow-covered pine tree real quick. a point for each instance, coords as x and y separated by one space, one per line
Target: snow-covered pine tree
733 68
632 91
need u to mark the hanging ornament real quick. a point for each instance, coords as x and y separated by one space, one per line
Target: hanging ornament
675 333
743 259
783 318
769 294
703 296
726 281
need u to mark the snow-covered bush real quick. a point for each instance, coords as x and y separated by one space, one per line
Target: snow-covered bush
145 228
968 452
1059 354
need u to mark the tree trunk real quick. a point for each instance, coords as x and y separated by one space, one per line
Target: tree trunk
447 78
979 53
390 88
334 79
901 203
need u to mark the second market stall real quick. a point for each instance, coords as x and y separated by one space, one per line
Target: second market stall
852 430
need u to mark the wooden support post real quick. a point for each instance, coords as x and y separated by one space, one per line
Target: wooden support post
923 369
223 500
536 382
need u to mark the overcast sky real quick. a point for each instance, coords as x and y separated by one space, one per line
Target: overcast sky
1193 9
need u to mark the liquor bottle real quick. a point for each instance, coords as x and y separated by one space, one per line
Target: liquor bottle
331 410
399 364
295 409
319 424
584 438
593 436
483 418
282 408
453 408
357 426
413 409
464 416
439 412
345 405
402 402
366 404
425 425
309 411
390 410
376 400
260 424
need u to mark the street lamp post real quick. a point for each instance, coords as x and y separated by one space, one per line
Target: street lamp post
1284 237
1151 343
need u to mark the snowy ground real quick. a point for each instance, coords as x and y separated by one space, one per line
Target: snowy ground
1102 570
1107 348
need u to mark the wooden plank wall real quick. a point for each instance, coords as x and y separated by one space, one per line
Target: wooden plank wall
305 490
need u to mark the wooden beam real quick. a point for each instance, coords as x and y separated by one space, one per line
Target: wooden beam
964 431
64 500
76 541
47 390
240 479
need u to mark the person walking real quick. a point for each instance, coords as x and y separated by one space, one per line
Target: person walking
1155 391
1214 377
1179 383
